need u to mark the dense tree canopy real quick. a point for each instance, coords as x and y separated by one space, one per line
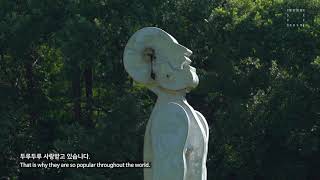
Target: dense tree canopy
63 87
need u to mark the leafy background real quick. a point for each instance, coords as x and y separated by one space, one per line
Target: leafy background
63 87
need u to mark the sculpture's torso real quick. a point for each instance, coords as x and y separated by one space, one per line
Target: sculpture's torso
195 143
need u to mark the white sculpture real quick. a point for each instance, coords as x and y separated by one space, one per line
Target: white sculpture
176 137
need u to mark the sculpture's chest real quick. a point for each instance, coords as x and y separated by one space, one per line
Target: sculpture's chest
195 145
195 141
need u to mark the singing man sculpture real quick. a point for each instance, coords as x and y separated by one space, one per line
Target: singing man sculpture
176 137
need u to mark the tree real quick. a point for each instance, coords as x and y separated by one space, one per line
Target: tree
63 87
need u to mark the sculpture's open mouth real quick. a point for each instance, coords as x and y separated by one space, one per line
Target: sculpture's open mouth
188 89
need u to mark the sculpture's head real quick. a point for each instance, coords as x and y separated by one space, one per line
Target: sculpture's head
153 57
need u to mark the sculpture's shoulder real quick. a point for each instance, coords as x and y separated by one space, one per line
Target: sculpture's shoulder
170 114
170 126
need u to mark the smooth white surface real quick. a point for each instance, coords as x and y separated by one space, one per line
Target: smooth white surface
172 63
176 137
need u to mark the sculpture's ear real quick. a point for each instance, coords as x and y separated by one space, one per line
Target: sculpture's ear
150 56
135 63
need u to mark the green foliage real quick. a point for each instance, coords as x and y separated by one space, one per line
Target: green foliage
63 87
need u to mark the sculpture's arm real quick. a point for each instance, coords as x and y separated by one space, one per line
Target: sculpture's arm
204 123
169 132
